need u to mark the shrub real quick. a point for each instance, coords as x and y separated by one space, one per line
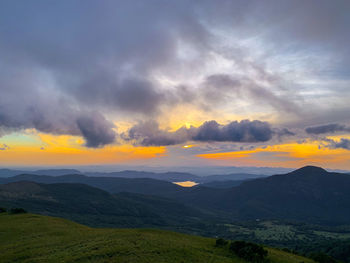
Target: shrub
17 211
322 258
287 250
3 210
220 242
249 251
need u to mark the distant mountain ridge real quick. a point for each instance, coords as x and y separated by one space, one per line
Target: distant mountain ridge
309 194
167 176
51 172
110 184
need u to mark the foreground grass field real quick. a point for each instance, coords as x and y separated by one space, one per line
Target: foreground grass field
36 238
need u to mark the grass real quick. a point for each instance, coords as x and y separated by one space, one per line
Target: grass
35 238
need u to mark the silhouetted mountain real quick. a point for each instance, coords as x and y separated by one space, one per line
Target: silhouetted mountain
51 172
9 172
192 195
110 184
223 184
56 172
177 177
167 176
309 194
230 177
96 207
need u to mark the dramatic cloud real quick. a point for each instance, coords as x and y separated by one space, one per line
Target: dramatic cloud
343 143
47 110
96 130
328 128
244 131
284 132
77 67
149 133
230 86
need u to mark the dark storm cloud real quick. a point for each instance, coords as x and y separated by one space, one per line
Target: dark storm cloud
284 132
219 86
45 110
327 128
243 131
102 54
62 60
149 133
343 143
96 130
128 95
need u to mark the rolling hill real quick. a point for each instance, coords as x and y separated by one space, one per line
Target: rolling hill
110 184
130 174
52 172
223 184
309 194
93 206
34 238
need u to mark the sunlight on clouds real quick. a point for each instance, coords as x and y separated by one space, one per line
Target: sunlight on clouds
286 155
69 150
188 146
62 143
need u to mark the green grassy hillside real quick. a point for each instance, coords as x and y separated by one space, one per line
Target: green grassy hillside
36 238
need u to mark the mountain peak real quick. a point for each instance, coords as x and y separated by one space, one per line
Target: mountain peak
309 169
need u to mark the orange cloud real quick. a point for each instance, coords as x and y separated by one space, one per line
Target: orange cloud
69 150
284 155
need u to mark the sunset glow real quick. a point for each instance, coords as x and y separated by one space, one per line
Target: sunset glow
127 84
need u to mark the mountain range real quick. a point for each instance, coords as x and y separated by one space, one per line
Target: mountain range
310 194
92 206
165 176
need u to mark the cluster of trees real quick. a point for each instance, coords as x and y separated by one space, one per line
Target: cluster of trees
246 250
257 254
322 258
337 249
16 210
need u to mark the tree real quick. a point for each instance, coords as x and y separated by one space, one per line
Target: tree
17 211
220 242
249 251
322 258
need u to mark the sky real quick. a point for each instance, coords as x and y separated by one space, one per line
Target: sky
175 83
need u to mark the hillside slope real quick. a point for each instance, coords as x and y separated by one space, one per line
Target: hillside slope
308 194
95 207
34 238
110 184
